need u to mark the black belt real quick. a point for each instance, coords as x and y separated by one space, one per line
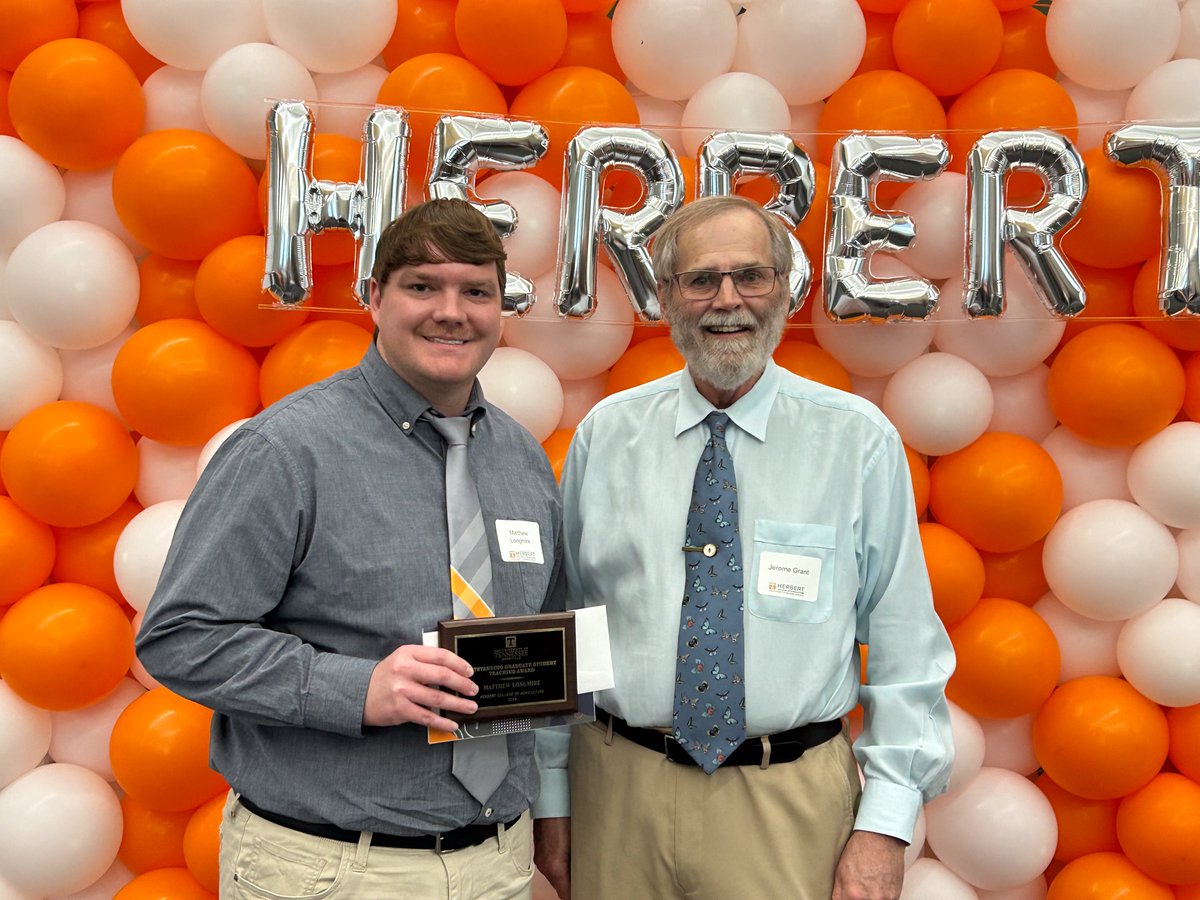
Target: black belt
467 836
786 746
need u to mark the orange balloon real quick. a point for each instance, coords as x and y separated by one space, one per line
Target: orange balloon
312 352
589 43
556 447
3 489
1084 826
878 51
77 103
1009 5
6 125
28 24
513 42
1012 99
85 555
878 101
814 363
1119 222
587 6
202 843
159 752
811 232
164 884
422 26
1109 297
64 646
1007 660
644 362
947 45
168 289
1182 333
181 193
179 382
333 300
1115 385
563 100
26 552
1099 738
918 471
1184 725
882 6
1105 876
1016 575
799 328
1024 45
230 296
152 839
105 24
69 463
955 572
1187 892
1191 398
1159 828
1001 493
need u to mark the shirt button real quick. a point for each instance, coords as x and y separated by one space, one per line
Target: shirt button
405 426
487 813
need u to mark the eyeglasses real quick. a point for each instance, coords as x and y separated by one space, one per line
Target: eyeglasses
703 284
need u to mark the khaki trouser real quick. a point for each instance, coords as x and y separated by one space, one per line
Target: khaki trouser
644 827
261 861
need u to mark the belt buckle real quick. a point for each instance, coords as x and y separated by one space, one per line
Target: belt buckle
437 844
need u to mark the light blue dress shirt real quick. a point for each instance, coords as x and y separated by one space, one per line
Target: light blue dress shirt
822 477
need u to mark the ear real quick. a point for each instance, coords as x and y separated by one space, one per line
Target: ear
375 298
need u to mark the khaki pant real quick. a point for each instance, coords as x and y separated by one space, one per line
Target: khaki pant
263 861
643 827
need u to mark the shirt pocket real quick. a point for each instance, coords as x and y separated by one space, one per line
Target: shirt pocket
520 571
800 588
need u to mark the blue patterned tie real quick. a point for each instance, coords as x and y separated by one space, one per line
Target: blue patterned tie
710 691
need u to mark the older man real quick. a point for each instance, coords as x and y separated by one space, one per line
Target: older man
749 531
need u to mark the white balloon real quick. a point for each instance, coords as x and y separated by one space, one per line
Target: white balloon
214 443
8 892
1111 44
1032 890
668 48
190 34
239 87
331 36
1099 111
575 348
735 101
1188 578
5 313
805 49
31 191
579 396
31 374
1013 343
532 248
60 827
968 746
89 199
142 549
1109 560
870 388
165 472
1022 405
939 403
525 388
1189 30
87 374
804 124
1167 94
1161 475
1086 646
913 851
662 117
997 832
24 735
106 886
1157 652
938 208
173 100
72 284
81 736
347 98
929 879
1009 744
136 669
1088 472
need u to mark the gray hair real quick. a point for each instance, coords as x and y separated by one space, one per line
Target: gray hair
666 243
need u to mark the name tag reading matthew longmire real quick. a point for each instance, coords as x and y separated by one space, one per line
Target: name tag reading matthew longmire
789 575
520 542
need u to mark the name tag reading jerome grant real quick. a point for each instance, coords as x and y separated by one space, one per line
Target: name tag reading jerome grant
524 665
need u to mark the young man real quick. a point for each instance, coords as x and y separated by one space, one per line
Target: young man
311 557
748 531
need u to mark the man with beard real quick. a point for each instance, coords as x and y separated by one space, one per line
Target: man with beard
749 532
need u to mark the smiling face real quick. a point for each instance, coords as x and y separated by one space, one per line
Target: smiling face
726 340
438 325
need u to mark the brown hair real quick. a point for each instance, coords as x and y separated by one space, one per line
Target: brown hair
697 213
438 231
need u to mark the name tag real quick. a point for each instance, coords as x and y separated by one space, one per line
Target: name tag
789 575
520 542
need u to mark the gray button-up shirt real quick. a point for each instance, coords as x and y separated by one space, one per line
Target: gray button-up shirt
313 545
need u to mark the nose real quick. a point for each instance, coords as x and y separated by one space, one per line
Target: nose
450 306
727 295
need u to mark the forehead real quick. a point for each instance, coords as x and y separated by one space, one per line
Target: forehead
445 272
736 237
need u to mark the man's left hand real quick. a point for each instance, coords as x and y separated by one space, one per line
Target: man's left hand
871 868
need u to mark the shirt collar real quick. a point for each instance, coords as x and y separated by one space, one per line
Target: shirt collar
750 413
399 399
